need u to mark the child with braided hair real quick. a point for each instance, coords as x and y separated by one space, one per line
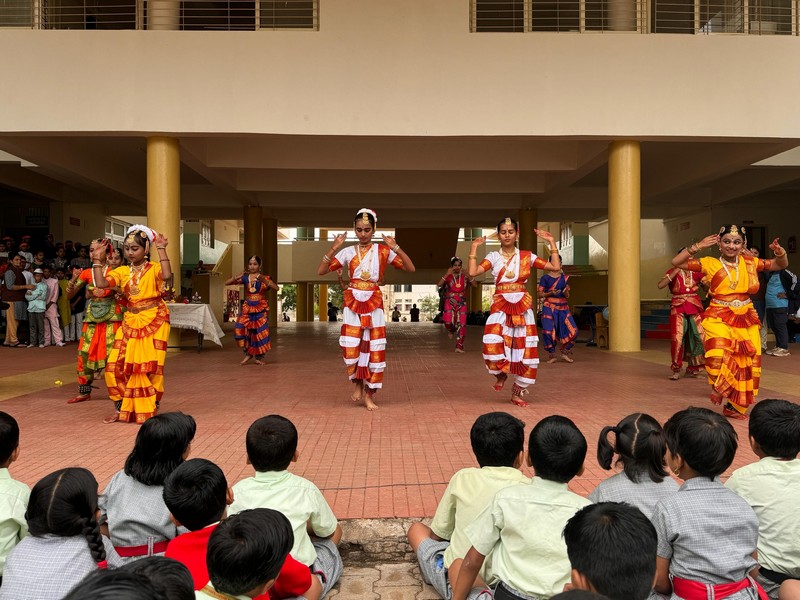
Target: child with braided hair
65 543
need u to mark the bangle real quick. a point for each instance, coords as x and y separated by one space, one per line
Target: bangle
96 265
326 258
161 247
163 259
692 250
780 255
396 248
473 256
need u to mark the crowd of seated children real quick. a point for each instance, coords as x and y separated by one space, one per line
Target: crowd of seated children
197 496
494 528
271 446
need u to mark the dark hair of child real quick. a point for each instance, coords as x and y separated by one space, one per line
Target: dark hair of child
639 441
775 427
9 437
160 446
455 260
114 584
171 579
704 439
497 439
613 545
271 443
360 216
247 550
503 222
64 503
557 449
258 259
195 493
578 595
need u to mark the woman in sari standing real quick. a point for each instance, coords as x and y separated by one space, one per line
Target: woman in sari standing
252 326
135 369
685 321
509 336
558 325
731 325
363 337
455 302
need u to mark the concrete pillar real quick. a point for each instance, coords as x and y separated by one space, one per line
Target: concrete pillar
476 298
323 302
269 254
624 246
302 301
528 221
622 15
164 203
163 15
310 305
253 236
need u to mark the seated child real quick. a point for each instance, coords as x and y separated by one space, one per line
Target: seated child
578 595
13 494
771 487
116 585
245 554
197 494
132 504
171 579
497 440
639 442
64 544
707 534
522 525
271 445
612 550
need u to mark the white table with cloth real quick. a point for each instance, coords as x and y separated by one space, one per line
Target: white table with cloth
197 317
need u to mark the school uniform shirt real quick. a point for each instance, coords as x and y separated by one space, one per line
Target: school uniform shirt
772 488
36 298
468 493
643 495
135 513
50 566
190 550
201 595
13 504
708 533
523 528
297 498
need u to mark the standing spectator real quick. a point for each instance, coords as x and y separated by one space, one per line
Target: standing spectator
13 293
396 315
24 251
64 309
49 247
10 245
82 260
39 261
52 329
60 260
781 287
333 312
69 248
37 297
77 306
414 314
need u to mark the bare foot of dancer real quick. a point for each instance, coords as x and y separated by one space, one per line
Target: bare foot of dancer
716 397
459 351
258 361
567 358
516 396
358 394
732 413
79 398
675 376
111 418
245 359
501 381
368 401
552 359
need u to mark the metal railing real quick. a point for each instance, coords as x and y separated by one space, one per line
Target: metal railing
755 17
186 15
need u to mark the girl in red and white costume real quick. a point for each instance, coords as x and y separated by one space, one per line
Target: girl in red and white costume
363 337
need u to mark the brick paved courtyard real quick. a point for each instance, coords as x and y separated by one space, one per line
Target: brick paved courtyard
394 462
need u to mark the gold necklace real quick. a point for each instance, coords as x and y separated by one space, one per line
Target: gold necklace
365 272
136 275
732 285
252 281
510 274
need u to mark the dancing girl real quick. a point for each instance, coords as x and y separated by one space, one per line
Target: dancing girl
730 323
135 368
509 336
558 325
455 301
100 323
363 337
685 321
251 331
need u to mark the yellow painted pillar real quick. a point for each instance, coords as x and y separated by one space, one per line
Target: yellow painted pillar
253 236
164 203
310 305
302 301
323 302
624 246
476 298
528 221
269 254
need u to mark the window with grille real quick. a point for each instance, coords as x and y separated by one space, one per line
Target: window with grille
289 14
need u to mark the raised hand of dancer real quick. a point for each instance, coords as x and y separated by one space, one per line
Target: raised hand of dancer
338 241
781 260
545 235
775 246
389 241
160 241
707 242
98 254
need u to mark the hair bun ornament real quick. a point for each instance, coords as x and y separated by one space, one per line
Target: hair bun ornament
508 221
367 211
148 233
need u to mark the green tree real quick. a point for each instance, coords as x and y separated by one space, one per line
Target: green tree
428 307
288 296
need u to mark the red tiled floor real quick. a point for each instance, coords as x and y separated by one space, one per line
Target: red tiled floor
393 462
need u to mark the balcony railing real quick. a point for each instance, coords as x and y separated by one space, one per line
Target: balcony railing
188 15
759 17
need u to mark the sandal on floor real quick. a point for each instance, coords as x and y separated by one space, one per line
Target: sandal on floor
734 414
519 402
77 399
112 418
501 381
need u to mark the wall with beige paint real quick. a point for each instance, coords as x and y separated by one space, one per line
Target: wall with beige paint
407 67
